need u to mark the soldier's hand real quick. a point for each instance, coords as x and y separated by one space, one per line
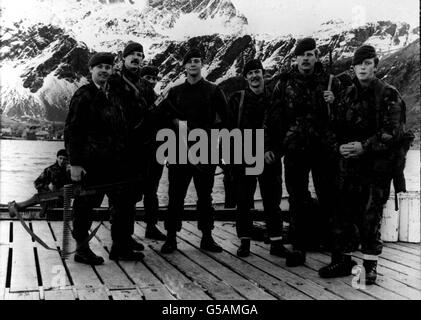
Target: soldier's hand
345 149
328 96
357 149
51 186
269 157
76 173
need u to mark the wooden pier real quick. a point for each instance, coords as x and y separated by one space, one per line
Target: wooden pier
28 271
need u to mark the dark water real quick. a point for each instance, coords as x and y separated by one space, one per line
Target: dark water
21 162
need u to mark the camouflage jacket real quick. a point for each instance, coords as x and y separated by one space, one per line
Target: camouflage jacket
54 174
136 97
299 118
96 131
373 116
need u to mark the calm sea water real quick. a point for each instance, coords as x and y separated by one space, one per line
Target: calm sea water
21 162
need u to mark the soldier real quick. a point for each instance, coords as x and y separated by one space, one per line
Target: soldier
97 140
150 74
53 178
369 126
198 102
153 171
249 107
302 106
130 91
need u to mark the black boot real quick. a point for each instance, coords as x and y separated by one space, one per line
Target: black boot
85 255
152 232
124 251
341 266
209 244
277 248
136 246
295 258
370 267
170 244
244 249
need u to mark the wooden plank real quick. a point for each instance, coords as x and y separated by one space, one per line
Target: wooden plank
212 285
415 246
93 294
24 273
182 287
4 258
4 255
24 295
401 248
394 266
84 278
150 286
244 287
404 258
4 232
59 295
344 284
126 294
374 290
53 271
264 261
270 283
110 273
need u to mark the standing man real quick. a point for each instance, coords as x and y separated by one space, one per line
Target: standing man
302 107
370 126
129 91
97 140
153 169
249 107
198 102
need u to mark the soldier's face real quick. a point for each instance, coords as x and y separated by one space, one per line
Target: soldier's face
61 160
194 66
255 78
101 72
366 71
307 61
134 60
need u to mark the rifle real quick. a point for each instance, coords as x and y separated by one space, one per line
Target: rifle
68 192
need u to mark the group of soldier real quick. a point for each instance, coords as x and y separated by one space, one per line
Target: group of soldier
343 135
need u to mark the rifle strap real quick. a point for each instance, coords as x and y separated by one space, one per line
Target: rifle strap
240 107
329 88
46 246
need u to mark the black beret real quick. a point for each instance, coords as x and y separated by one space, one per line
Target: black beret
101 57
62 152
149 71
192 53
304 45
362 53
131 47
252 65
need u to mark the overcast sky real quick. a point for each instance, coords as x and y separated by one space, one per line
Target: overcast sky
303 16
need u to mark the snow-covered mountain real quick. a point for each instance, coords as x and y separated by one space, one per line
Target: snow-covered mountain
44 52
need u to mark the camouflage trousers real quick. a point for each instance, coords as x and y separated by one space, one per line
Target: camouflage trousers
361 195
